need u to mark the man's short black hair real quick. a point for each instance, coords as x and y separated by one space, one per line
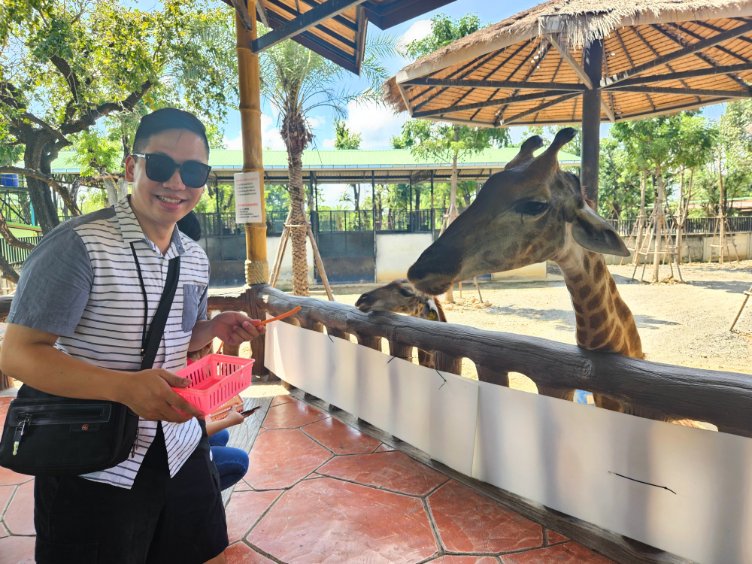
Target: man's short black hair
164 119
190 225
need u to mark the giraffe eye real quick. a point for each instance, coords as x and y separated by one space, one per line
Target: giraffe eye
405 293
531 207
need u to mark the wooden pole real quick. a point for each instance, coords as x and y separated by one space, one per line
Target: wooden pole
591 121
721 212
256 264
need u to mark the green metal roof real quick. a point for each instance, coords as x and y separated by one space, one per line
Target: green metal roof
228 160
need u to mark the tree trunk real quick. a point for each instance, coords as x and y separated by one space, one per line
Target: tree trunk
660 222
641 223
299 225
681 217
9 273
721 212
116 188
37 157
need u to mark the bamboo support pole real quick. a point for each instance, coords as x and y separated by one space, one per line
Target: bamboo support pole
249 81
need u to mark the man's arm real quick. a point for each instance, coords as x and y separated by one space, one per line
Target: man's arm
231 327
29 355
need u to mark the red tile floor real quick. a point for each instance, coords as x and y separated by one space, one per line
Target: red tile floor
319 490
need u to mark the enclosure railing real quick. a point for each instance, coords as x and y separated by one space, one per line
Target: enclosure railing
426 220
661 391
692 225
17 255
657 391
328 221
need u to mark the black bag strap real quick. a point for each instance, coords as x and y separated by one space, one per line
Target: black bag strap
156 329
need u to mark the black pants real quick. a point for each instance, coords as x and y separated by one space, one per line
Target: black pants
159 520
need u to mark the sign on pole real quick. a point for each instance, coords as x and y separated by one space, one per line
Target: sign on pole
248 197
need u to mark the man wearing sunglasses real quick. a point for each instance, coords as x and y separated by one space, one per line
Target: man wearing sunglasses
77 329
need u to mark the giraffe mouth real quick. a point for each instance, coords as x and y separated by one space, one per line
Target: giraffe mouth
431 277
433 284
364 303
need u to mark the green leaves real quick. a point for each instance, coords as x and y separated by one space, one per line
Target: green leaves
443 32
68 68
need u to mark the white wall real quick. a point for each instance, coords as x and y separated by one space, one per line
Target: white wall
395 252
285 272
684 490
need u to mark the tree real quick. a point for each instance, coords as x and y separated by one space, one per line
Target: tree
450 143
653 146
347 140
695 148
297 81
66 67
618 182
735 146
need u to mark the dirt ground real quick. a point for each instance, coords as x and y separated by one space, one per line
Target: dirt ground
685 324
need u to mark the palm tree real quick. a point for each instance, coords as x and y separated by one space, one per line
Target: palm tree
296 81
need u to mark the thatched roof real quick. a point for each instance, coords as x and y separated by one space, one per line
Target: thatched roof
544 45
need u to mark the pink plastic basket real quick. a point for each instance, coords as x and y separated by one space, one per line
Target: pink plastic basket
215 379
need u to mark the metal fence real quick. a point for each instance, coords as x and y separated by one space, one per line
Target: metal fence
692 225
17 255
331 221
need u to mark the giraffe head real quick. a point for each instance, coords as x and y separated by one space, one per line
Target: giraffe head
530 212
400 296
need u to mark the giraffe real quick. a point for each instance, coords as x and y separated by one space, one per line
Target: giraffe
400 296
530 212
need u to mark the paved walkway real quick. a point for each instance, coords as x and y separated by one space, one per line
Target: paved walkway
319 490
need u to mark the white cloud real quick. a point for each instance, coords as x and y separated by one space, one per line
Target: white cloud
316 122
418 30
270 136
376 123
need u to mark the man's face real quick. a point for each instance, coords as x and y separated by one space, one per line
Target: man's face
161 204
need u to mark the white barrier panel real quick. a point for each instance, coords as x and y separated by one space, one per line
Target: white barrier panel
683 490
435 412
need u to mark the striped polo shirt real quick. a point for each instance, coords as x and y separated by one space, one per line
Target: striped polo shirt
81 284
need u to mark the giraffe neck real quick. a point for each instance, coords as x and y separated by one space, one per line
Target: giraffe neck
604 322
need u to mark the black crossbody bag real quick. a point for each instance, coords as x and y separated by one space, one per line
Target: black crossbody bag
48 435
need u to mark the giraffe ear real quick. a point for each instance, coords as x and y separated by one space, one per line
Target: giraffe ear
594 233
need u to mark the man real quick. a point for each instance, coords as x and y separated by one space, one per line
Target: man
84 301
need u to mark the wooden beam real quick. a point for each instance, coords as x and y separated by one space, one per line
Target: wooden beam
466 70
592 56
580 71
694 48
543 106
302 22
454 83
485 104
683 91
682 75
276 21
346 22
327 50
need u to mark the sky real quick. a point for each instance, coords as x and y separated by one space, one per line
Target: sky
377 124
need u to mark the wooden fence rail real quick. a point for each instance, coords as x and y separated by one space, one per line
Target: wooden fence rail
664 391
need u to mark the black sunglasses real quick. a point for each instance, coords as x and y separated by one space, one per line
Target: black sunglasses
160 168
